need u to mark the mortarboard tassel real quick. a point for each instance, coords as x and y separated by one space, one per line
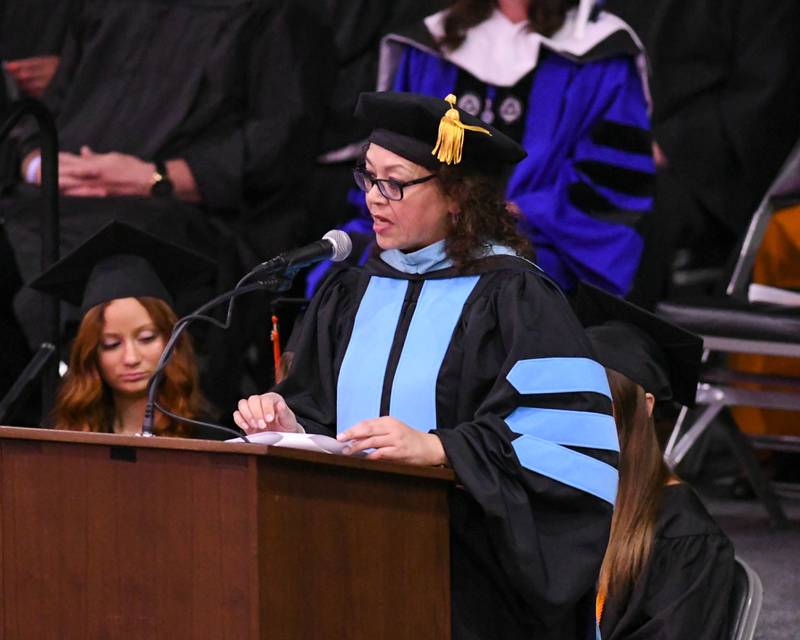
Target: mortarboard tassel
450 141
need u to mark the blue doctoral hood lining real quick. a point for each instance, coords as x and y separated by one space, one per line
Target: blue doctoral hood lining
433 257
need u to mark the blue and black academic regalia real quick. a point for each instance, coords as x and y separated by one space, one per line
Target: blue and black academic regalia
578 106
579 110
494 363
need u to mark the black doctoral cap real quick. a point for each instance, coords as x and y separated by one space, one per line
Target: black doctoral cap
432 131
659 356
121 261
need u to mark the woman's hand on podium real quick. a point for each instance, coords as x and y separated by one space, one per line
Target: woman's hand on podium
267 412
394 440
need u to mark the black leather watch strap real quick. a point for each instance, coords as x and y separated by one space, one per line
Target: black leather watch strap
162 186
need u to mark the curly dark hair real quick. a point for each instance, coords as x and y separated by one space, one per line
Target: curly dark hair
484 216
544 16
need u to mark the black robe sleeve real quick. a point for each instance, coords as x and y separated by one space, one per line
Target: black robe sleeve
532 541
53 96
237 94
317 347
286 67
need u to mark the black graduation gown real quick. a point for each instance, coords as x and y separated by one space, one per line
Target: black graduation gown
358 27
723 121
495 364
34 27
28 28
684 591
234 87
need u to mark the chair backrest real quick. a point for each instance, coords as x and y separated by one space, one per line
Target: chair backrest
786 184
745 604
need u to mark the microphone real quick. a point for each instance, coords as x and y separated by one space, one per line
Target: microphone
334 245
180 326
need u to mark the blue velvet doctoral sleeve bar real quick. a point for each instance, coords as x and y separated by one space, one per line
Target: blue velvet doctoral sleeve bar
570 428
546 433
567 466
559 375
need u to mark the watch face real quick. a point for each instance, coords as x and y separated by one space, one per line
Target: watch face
162 188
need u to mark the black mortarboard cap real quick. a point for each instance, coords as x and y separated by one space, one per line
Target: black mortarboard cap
121 261
412 125
659 356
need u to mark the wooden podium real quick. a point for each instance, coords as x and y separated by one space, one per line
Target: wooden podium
109 536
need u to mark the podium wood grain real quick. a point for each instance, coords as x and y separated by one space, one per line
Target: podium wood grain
107 536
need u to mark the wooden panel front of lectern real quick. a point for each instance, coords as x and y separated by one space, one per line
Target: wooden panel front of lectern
106 536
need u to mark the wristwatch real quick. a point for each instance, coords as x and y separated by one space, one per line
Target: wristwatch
160 184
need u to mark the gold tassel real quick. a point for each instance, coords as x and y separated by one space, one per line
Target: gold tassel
450 141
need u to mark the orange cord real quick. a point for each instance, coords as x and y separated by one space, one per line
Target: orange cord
275 336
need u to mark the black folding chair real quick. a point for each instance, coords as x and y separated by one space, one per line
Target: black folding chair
735 323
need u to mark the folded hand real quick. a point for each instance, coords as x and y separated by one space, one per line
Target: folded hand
98 175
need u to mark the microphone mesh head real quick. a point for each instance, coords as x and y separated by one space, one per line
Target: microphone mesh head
342 245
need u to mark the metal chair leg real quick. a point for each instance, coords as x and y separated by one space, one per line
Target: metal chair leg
681 448
676 431
761 485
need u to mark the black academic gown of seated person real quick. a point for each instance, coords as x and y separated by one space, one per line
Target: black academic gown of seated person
684 591
494 363
233 87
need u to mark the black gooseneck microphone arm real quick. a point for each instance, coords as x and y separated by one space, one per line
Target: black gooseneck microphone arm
152 386
334 245
274 284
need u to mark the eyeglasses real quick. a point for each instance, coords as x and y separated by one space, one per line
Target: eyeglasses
390 188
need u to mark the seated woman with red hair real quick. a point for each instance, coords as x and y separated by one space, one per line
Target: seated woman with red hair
121 277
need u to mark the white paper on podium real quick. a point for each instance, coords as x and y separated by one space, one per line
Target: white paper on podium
307 441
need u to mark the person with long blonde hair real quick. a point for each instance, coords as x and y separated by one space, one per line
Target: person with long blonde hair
127 317
668 569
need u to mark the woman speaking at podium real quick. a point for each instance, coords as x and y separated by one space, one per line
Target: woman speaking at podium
449 347
121 278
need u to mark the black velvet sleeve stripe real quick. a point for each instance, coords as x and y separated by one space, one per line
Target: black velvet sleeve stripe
616 178
620 216
604 455
587 199
585 401
598 207
624 137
